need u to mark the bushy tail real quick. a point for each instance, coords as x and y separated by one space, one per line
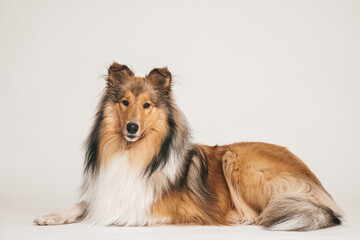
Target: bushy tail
296 212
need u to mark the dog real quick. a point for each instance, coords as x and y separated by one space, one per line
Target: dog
141 169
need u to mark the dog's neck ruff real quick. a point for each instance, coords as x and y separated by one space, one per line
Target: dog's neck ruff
118 194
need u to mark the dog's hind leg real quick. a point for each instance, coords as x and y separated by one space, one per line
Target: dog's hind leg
243 214
72 215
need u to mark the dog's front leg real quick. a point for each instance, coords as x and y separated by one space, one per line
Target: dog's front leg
72 215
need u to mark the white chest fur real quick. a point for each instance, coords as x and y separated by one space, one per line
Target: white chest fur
120 195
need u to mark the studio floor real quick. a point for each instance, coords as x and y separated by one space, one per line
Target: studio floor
19 226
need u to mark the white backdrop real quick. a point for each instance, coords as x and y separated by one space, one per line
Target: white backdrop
284 72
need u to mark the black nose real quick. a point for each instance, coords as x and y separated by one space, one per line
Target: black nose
132 128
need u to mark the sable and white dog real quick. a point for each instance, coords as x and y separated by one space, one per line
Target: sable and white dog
141 169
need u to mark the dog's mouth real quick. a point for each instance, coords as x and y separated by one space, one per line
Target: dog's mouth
134 137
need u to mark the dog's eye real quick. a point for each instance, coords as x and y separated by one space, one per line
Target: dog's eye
146 105
125 102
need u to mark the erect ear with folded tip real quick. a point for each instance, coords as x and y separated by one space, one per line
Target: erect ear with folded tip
161 78
117 73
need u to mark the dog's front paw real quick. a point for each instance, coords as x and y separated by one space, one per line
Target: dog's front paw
51 219
72 215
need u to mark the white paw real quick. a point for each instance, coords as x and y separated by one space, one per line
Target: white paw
52 219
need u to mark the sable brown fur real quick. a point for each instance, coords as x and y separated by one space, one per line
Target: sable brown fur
178 182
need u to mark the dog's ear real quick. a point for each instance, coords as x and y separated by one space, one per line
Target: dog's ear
161 77
117 73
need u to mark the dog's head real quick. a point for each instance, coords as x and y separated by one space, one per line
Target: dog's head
137 106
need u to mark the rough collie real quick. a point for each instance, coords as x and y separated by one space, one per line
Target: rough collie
142 169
